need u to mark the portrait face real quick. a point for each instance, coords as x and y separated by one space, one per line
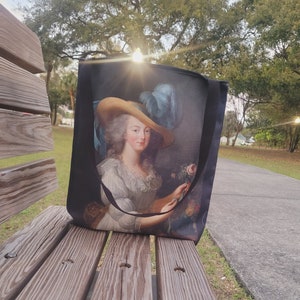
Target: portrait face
137 135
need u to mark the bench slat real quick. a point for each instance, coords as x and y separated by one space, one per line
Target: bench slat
24 133
69 270
180 273
18 43
28 249
23 185
21 89
126 269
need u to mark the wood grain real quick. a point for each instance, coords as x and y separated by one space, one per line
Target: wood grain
21 90
19 44
24 252
23 185
69 270
126 269
24 133
180 273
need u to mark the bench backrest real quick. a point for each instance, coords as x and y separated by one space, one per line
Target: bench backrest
25 125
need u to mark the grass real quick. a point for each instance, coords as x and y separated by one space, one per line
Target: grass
278 161
220 275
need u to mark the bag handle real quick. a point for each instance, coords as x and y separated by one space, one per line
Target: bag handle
112 200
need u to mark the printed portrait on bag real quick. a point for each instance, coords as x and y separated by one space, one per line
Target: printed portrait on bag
147 126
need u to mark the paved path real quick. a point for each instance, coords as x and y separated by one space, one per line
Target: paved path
254 217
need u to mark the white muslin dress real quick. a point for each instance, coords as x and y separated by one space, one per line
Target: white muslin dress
133 192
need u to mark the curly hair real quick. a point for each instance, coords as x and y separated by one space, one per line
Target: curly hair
115 134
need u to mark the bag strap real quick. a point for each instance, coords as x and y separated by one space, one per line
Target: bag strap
112 200
207 132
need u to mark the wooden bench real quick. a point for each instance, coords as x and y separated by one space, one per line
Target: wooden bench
51 258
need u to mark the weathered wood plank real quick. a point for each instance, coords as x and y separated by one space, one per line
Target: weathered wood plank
180 273
126 269
24 252
23 185
22 90
69 270
24 133
19 44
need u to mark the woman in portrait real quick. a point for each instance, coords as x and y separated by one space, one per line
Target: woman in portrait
132 140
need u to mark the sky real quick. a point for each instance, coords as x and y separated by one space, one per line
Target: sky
12 6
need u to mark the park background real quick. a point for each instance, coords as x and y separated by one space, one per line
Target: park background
254 45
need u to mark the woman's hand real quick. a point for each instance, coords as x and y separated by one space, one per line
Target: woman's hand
151 221
180 191
168 206
164 205
176 195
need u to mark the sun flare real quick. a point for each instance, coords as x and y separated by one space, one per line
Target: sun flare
137 56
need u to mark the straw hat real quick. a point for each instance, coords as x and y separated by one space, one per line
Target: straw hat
110 107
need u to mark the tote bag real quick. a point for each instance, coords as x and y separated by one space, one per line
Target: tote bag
145 146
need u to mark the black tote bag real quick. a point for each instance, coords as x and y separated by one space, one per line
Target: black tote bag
145 146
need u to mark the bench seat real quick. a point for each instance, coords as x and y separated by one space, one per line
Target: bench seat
53 259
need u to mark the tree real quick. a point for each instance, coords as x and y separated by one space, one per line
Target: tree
276 24
267 68
213 42
163 30
166 31
69 85
240 105
61 91
230 125
254 45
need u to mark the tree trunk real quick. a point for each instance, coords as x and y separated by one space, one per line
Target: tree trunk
49 68
54 114
294 139
235 138
72 99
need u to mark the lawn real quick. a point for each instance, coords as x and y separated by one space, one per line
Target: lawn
279 161
220 275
